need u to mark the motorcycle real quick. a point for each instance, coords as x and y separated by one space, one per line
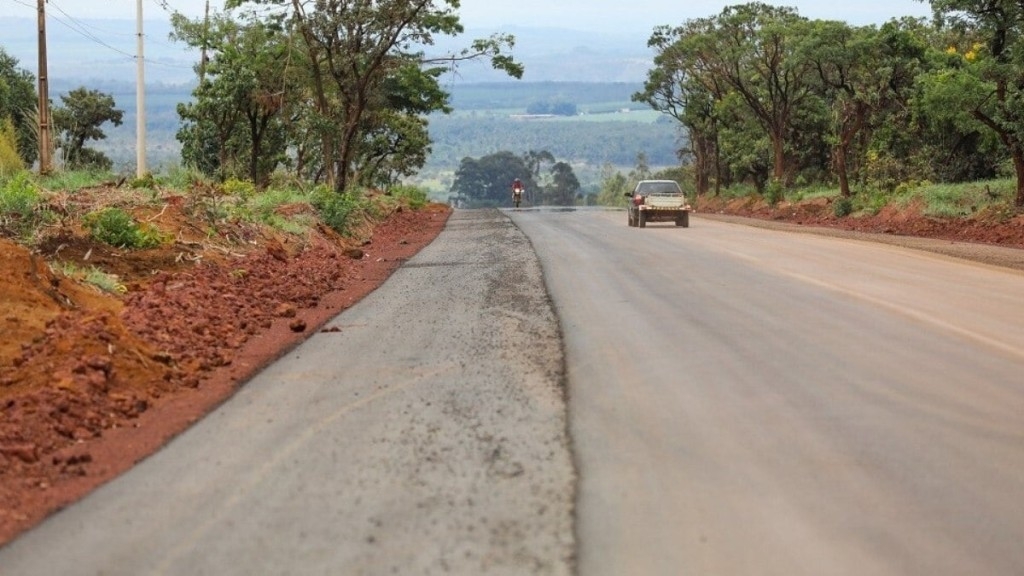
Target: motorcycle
517 196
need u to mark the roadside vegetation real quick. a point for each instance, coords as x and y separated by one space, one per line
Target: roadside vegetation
771 99
118 214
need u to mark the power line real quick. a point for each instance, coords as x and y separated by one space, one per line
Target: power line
83 30
25 4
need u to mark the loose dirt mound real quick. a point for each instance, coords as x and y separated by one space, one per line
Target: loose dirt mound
90 382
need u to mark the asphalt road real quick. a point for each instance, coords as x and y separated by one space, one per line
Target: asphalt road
745 401
427 436
740 401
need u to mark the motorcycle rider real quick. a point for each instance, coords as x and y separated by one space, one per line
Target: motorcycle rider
517 191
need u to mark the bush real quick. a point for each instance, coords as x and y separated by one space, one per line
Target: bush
842 207
774 192
336 210
414 196
19 201
116 227
10 161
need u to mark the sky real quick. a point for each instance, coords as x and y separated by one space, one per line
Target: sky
606 16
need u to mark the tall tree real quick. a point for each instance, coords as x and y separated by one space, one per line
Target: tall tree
564 186
754 54
864 73
18 101
679 85
352 48
80 119
236 126
988 84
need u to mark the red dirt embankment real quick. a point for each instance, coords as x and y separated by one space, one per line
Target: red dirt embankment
91 383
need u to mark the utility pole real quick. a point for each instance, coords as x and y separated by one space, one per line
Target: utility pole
45 161
140 96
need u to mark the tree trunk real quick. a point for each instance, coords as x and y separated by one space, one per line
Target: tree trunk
844 179
1018 168
779 158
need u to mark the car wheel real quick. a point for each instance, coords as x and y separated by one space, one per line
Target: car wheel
629 218
683 220
642 219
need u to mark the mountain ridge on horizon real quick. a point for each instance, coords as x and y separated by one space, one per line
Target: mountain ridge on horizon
548 53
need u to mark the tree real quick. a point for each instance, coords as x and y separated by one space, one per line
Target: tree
754 56
613 186
236 125
678 85
564 186
747 51
864 74
988 83
351 50
81 119
18 102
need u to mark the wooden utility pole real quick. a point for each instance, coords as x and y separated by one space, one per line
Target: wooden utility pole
45 160
140 96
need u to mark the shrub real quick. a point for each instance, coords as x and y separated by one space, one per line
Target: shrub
774 192
336 210
414 196
19 202
239 188
116 227
842 207
10 161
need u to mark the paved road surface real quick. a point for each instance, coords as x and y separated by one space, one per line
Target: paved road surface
428 436
753 402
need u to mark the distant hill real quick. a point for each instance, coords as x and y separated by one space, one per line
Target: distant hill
89 52
85 52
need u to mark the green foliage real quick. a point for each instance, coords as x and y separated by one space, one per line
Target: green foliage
18 102
842 207
339 211
412 196
487 181
564 186
613 186
116 227
239 188
19 200
774 192
147 181
80 120
10 161
104 281
74 179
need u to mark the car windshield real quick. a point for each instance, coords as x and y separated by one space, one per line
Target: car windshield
659 188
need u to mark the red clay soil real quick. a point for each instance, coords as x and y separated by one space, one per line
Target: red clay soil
995 228
91 383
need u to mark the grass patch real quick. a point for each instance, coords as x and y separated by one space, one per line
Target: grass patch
109 283
21 211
